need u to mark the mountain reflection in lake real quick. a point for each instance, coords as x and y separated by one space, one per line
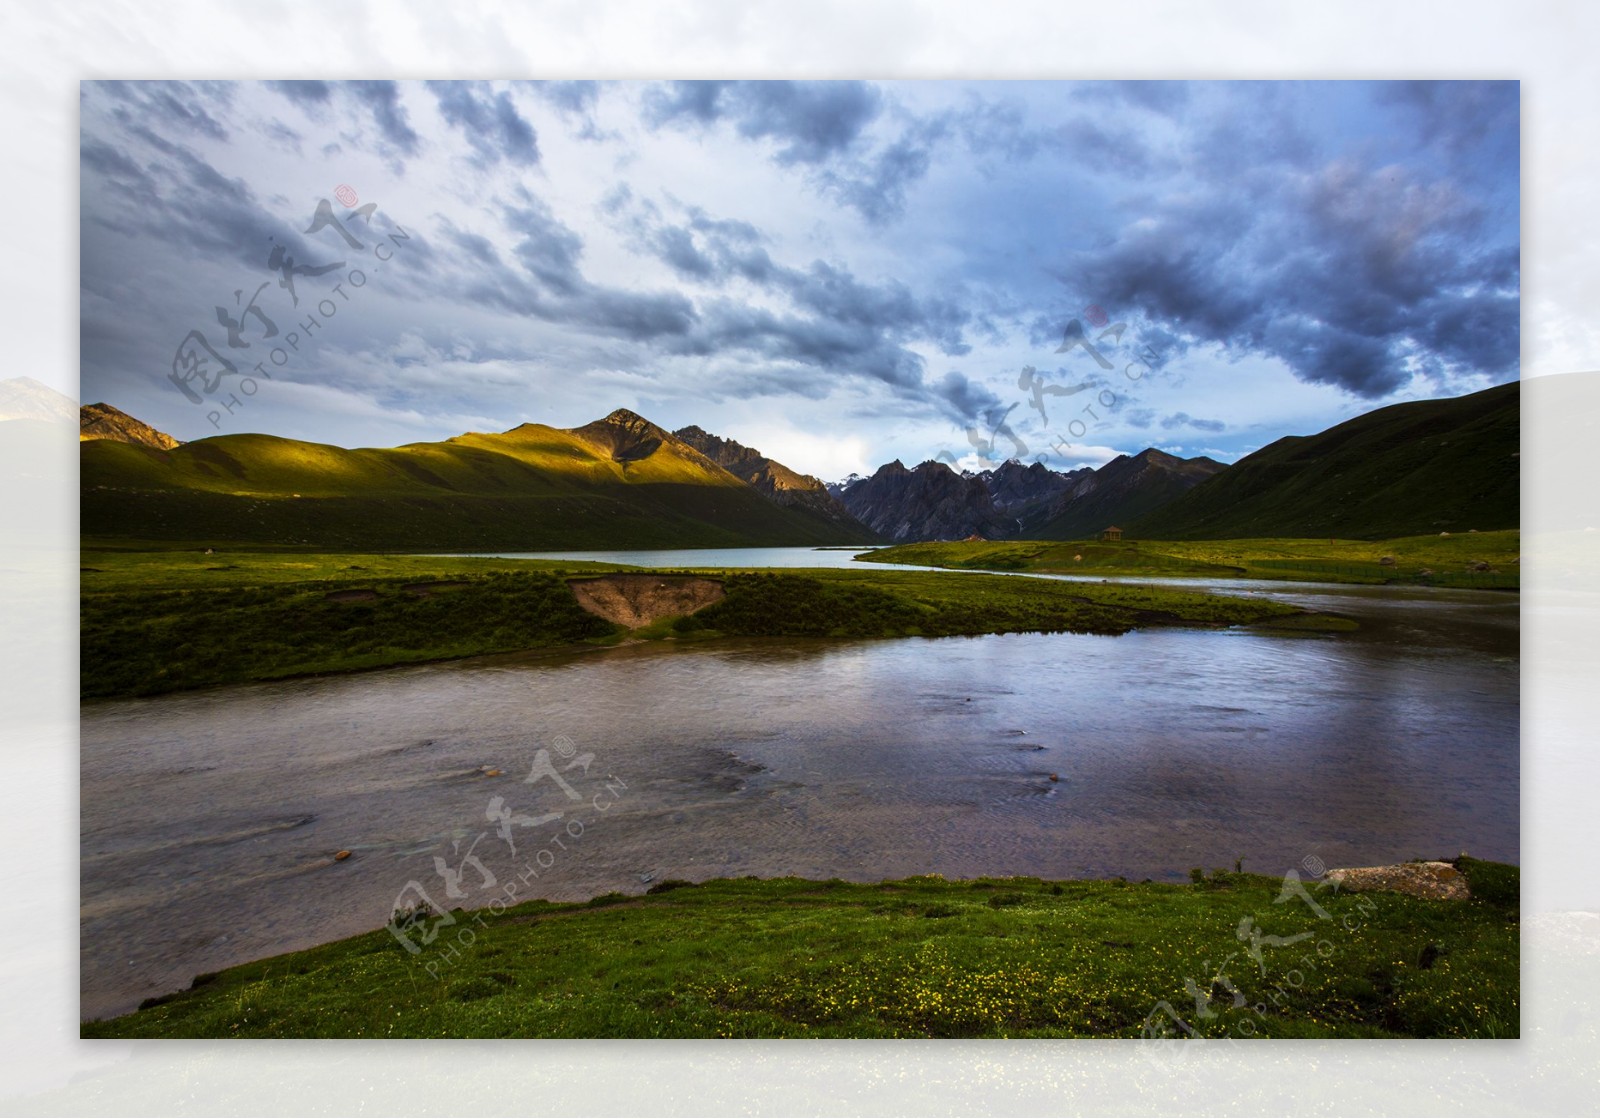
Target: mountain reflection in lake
210 820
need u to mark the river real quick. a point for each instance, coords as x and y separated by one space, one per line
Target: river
211 820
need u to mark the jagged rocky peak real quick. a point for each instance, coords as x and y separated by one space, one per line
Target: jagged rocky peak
772 479
1012 483
626 436
931 501
732 455
632 421
102 421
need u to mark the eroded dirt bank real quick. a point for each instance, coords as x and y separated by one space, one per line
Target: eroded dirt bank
638 600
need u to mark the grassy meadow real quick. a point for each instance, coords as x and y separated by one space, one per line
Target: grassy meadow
154 622
922 957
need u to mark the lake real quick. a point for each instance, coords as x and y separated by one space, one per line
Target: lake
210 820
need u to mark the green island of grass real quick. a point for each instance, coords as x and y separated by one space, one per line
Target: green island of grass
1483 560
154 622
922 957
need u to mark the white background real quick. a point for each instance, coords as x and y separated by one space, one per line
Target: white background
1549 46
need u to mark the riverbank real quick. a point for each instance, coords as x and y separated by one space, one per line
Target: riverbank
1228 955
157 622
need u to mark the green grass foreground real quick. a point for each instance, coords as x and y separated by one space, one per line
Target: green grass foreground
1438 561
168 621
923 957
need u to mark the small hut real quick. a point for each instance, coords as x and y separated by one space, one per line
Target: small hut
1112 533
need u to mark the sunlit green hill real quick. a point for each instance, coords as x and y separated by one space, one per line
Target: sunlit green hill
618 482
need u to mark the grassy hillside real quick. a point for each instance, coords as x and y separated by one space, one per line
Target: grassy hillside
609 484
1409 469
162 622
1126 488
922 957
1439 561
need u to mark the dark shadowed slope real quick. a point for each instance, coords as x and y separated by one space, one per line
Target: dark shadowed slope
1123 490
1422 467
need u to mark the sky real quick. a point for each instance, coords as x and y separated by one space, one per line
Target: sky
837 273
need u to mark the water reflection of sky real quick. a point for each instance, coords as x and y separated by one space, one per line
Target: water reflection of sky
209 818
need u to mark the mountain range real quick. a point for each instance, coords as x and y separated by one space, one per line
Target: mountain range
1012 501
624 482
618 482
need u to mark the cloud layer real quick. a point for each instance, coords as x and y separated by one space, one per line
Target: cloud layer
872 260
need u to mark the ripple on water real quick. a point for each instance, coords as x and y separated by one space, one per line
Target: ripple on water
215 816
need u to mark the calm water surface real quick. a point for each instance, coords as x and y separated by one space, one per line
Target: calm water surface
210 819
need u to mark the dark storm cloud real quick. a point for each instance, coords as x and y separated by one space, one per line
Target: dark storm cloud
838 349
541 276
576 102
705 249
677 248
824 348
1105 149
570 97
637 316
750 383
1344 273
1475 330
680 101
171 107
820 126
304 92
808 121
548 249
114 166
478 247
382 99
488 120
967 401
1464 117
186 211
178 198
283 134
378 100
835 327
876 187
1156 96
716 252
1096 136
1183 419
